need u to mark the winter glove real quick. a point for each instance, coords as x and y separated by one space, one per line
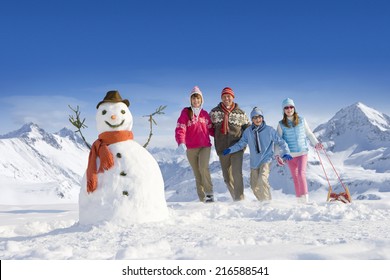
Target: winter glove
319 146
226 151
182 148
287 157
279 160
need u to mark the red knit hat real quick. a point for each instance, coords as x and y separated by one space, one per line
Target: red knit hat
227 90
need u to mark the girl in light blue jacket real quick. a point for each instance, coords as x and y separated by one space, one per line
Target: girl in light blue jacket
295 131
261 139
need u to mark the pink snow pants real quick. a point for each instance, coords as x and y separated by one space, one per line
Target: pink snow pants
298 172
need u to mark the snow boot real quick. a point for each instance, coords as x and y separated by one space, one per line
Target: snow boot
303 199
209 198
307 201
300 199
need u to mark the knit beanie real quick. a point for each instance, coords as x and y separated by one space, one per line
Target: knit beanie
227 90
287 102
256 112
196 90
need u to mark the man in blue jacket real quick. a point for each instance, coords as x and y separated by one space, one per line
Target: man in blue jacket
261 139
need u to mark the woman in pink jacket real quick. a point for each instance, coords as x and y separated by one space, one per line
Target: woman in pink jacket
192 134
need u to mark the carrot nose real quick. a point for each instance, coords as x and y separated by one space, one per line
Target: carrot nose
113 117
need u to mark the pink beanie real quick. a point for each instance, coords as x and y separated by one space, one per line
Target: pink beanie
227 90
196 90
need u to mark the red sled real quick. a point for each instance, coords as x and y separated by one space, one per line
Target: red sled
345 196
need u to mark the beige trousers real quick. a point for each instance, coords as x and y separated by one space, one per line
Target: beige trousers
259 182
231 165
199 160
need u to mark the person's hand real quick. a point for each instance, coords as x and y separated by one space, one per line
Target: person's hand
182 148
287 157
279 160
319 146
226 151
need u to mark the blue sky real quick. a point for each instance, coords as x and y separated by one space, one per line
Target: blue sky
323 54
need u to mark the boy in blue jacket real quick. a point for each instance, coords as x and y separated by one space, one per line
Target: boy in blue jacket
261 139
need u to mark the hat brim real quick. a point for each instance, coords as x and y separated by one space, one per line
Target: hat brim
108 101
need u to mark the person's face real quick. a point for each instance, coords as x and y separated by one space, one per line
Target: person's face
289 110
227 100
257 120
196 101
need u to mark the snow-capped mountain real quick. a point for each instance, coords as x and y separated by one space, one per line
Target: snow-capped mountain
30 133
359 126
363 133
357 140
32 157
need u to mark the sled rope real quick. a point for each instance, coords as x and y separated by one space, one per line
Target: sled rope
335 170
345 196
323 168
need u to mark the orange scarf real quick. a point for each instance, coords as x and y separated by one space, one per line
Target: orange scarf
100 149
225 122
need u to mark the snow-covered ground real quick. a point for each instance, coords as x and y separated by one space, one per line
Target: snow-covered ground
276 230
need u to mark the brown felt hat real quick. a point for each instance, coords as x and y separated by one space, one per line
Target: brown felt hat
113 96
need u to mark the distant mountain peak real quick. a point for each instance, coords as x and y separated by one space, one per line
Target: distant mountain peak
30 133
65 132
24 131
377 118
70 134
363 114
356 124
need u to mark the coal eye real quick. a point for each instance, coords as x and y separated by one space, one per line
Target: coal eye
123 112
104 112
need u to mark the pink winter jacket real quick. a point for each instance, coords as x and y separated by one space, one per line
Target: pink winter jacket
194 133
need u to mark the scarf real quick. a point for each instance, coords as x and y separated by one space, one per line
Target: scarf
100 149
257 130
196 111
225 122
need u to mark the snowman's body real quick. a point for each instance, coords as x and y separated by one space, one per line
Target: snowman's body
132 191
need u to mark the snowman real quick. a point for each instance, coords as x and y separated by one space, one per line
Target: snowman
123 182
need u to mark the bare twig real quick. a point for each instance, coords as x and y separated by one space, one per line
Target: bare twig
159 111
78 123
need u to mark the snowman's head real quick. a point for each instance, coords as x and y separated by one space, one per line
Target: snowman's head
113 117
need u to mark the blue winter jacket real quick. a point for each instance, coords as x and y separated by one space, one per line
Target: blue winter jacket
295 136
268 137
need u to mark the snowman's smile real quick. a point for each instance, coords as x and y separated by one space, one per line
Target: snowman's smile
114 125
